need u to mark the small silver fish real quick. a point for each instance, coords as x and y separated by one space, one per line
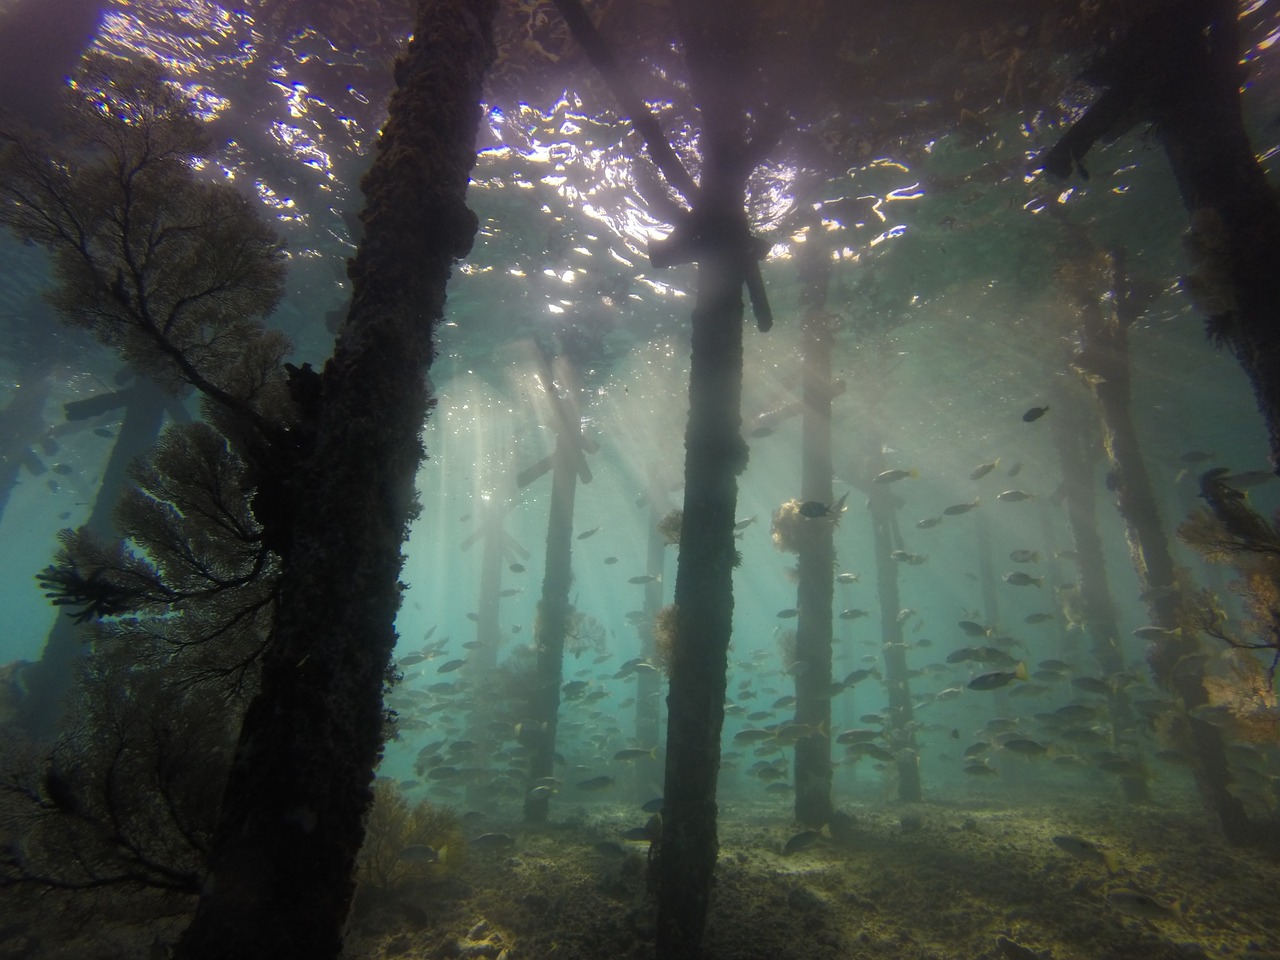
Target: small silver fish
1014 496
1157 633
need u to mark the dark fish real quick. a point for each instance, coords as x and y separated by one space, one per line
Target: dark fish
652 806
998 678
958 508
1083 849
852 614
421 853
1035 413
814 509
788 614
1024 556
509 592
104 432
1077 713
846 578
588 533
63 469
859 675
610 561
1015 469
892 476
1020 579
801 841
636 753
643 578
793 732
928 522
516 567
872 750
974 629
451 666
1138 904
596 783
981 471
1035 618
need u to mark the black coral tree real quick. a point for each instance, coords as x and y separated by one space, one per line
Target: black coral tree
173 269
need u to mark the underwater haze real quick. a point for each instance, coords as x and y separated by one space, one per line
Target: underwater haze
1015 768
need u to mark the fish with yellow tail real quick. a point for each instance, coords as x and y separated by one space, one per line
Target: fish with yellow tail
999 678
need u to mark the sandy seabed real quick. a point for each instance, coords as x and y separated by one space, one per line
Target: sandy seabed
919 882
970 879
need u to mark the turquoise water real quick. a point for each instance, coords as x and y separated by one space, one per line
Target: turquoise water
949 325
